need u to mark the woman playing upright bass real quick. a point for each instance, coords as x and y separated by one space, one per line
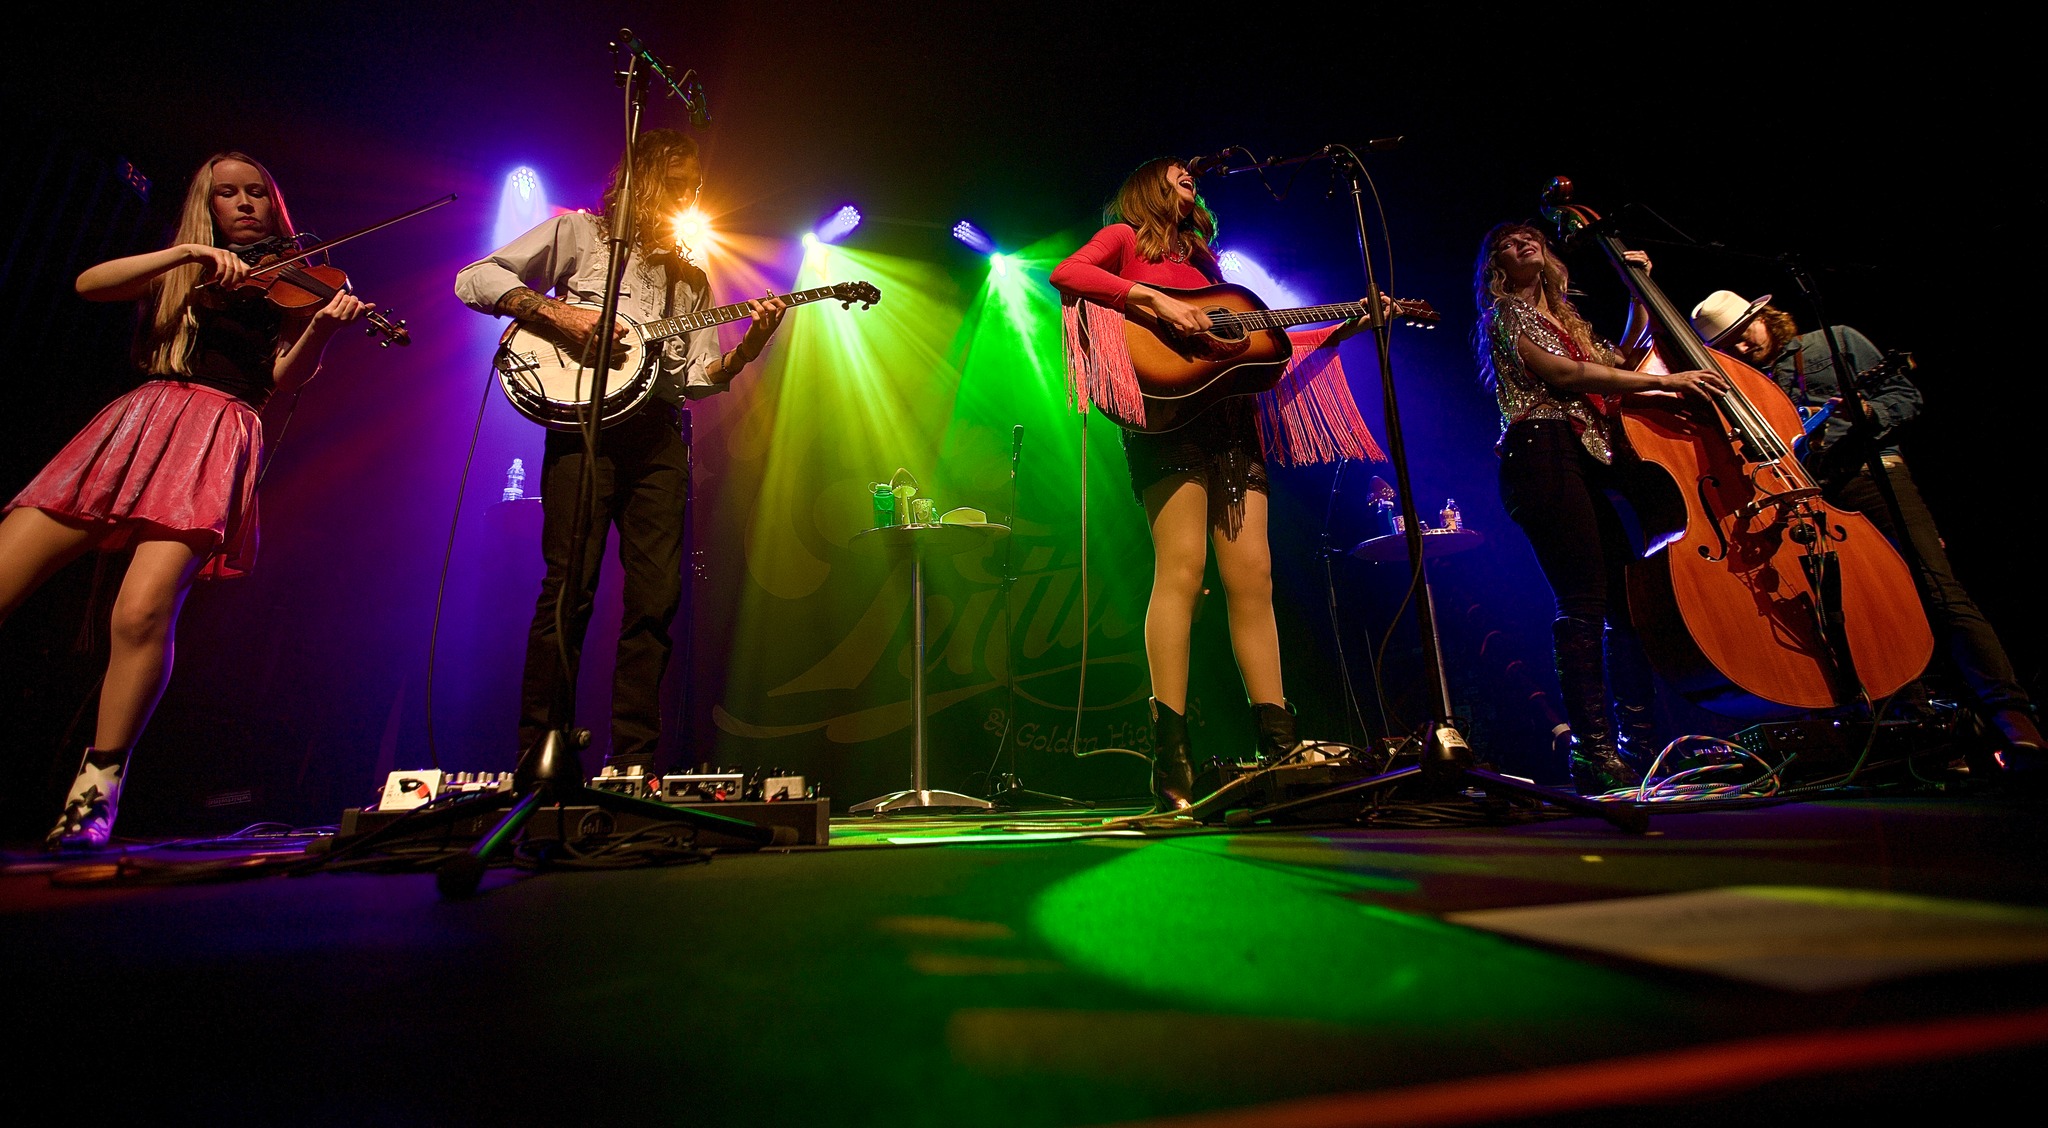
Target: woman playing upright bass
1561 452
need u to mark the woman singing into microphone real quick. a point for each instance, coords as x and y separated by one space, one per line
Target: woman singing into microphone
168 470
1202 484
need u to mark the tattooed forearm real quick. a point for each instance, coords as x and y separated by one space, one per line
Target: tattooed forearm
522 304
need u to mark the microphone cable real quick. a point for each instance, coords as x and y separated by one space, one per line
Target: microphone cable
448 559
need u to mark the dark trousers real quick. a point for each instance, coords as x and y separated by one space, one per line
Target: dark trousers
1556 492
1960 630
643 479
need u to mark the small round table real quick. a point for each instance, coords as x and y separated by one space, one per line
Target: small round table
919 543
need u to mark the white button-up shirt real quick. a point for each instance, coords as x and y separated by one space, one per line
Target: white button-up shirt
568 256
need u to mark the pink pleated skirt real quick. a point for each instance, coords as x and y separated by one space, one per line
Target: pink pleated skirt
166 461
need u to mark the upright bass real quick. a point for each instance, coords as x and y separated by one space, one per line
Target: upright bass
1768 599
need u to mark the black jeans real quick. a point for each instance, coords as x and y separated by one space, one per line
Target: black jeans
643 480
1960 630
1556 492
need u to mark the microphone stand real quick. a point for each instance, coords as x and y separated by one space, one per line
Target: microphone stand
1444 761
550 773
1011 794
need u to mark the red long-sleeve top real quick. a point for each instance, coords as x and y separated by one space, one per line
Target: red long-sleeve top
1104 268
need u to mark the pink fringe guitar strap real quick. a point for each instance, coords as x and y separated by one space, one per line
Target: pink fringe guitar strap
1098 365
1309 416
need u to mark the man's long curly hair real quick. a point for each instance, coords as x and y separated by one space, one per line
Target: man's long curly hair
651 155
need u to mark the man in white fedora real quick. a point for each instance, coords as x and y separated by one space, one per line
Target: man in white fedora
1767 337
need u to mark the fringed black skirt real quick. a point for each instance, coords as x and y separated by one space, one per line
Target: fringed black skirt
1221 448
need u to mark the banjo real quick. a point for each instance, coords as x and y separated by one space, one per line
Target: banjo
549 380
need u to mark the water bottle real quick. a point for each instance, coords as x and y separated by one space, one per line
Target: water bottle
515 479
1453 520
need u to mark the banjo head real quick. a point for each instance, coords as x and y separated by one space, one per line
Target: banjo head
550 381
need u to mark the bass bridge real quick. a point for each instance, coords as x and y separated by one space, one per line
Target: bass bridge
1777 501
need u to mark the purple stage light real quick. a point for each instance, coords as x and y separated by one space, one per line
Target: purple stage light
522 203
974 237
839 225
1238 267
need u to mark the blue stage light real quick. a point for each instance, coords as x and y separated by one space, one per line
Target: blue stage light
839 224
974 237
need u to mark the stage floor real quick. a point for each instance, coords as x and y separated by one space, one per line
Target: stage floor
1829 960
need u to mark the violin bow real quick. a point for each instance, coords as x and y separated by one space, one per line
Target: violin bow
357 234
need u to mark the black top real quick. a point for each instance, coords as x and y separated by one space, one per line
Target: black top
235 349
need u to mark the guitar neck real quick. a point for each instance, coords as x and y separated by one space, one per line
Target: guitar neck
1305 315
718 315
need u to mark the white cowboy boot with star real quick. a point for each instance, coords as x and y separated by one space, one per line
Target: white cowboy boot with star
87 822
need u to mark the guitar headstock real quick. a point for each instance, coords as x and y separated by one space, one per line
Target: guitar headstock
848 293
1415 312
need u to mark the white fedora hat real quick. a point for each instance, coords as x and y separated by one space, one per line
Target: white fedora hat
1724 313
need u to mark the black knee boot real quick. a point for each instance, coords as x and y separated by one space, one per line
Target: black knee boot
1635 699
1173 777
1581 675
1276 730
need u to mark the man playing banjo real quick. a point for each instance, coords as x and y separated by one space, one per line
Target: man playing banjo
643 462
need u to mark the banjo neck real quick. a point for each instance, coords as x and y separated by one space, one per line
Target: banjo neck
666 327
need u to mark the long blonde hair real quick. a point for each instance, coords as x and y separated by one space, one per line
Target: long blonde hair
1148 202
172 329
1490 284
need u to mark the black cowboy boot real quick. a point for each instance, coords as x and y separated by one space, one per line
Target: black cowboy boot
1635 699
87 821
1596 768
1276 730
1173 778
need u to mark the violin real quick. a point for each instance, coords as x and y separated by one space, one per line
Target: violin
1762 596
284 275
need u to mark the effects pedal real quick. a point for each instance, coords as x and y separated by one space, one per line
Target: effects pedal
728 785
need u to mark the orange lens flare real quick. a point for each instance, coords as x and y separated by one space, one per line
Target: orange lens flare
692 229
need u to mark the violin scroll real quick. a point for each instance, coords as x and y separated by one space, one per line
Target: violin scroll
393 329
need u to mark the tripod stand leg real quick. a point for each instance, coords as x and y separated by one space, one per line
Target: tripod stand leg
460 875
1624 816
421 821
1322 798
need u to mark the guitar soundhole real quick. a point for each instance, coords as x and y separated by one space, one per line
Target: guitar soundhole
1223 327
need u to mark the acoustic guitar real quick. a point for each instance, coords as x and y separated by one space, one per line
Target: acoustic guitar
1242 353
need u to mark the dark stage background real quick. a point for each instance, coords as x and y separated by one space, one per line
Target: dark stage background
1897 153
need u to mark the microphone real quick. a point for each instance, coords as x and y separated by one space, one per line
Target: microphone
687 87
1214 162
1016 444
